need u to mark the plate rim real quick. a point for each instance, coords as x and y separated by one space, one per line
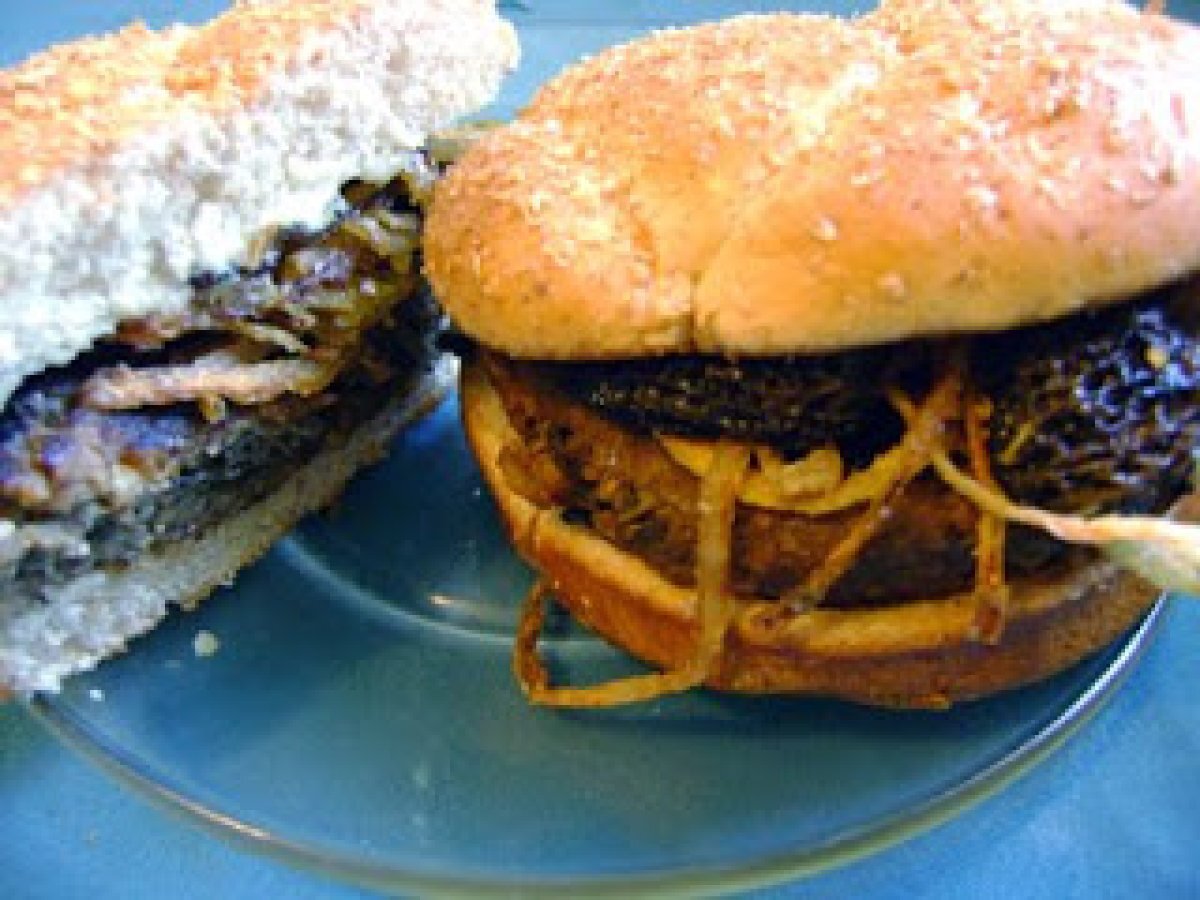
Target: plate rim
770 869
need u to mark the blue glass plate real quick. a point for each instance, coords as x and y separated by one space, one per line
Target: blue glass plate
359 716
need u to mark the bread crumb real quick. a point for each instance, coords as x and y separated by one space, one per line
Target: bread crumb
206 644
893 285
825 229
982 198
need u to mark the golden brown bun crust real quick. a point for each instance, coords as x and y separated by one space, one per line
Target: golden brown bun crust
913 655
135 161
797 183
72 103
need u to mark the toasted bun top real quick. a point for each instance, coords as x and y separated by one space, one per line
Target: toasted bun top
133 161
794 183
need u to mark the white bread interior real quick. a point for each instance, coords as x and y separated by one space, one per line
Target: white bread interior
133 161
797 183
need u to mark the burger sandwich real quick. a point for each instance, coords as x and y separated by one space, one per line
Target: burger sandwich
211 309
842 357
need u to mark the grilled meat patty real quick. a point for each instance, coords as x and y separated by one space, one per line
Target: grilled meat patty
795 404
1057 437
620 484
85 487
1095 412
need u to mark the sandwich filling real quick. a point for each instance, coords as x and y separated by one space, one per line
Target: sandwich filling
1092 415
175 423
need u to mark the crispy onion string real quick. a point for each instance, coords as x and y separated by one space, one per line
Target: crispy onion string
1163 551
715 606
122 387
991 590
911 457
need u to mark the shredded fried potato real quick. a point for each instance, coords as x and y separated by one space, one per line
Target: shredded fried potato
991 590
535 679
289 327
906 460
206 380
1164 551
771 482
814 485
269 334
715 606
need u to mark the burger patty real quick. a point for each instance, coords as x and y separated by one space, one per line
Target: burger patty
86 488
1094 413
1052 410
794 404
621 484
135 481
1097 413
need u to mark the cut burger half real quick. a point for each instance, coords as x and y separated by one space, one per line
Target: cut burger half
842 357
211 306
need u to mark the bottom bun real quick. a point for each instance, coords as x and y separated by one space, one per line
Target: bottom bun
919 654
93 617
